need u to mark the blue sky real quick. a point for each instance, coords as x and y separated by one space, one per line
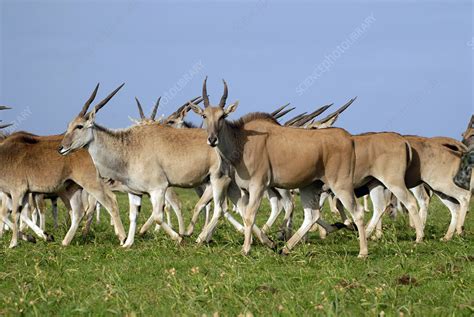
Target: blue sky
409 62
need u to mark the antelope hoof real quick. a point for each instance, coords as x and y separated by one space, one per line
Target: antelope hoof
142 232
419 240
199 240
13 245
245 252
285 251
363 255
180 240
444 239
127 244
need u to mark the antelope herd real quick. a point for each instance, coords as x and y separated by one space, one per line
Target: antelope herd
245 161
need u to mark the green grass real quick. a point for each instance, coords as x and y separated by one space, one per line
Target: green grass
321 277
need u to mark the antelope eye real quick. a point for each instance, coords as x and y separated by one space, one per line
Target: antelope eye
79 127
171 122
204 116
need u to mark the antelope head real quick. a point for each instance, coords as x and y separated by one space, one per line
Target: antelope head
214 116
143 119
79 131
176 119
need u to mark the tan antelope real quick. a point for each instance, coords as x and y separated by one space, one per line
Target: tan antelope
6 204
382 160
435 163
427 165
449 195
148 159
171 198
135 201
31 164
265 154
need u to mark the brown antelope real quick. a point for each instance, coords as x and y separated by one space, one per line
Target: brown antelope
265 154
452 198
148 159
434 159
386 158
279 198
282 197
424 167
382 160
378 166
31 164
435 163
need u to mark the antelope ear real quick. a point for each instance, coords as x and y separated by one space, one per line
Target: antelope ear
196 108
231 108
91 118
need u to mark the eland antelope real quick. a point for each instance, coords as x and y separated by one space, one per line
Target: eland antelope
431 160
31 164
265 154
279 198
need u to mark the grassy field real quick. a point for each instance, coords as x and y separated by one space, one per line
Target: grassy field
321 277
